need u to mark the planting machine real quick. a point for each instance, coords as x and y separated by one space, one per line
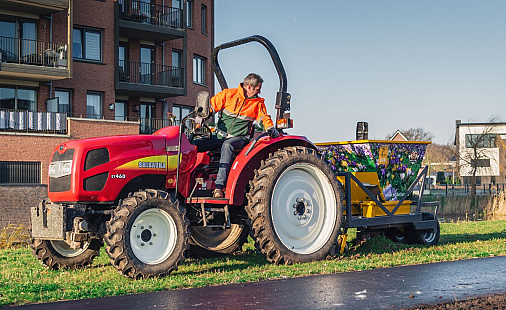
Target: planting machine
148 197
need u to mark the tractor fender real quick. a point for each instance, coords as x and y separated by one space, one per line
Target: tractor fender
243 168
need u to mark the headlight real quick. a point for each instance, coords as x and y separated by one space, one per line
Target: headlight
60 169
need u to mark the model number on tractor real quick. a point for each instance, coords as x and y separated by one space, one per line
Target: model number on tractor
118 176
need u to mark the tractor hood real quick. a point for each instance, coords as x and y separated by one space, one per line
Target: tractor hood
99 169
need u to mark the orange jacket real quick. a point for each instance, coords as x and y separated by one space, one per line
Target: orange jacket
238 113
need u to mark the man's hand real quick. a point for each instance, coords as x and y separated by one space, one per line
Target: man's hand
273 132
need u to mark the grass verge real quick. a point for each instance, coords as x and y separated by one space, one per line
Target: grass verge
23 280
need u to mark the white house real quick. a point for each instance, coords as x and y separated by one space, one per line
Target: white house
488 139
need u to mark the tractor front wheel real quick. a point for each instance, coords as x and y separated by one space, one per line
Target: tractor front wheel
147 235
58 254
294 207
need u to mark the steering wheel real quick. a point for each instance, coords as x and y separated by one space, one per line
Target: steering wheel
202 131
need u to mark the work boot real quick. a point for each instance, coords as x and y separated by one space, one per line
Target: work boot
218 193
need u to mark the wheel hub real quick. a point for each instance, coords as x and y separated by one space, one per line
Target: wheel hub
146 235
302 209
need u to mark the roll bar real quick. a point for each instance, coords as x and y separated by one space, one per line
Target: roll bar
282 98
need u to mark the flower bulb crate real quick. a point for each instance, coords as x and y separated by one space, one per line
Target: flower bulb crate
386 169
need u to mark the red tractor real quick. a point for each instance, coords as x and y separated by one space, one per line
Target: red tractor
149 197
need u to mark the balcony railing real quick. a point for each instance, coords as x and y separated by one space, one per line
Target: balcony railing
33 52
33 121
145 12
150 74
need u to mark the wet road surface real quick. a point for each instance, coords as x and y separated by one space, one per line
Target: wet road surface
390 288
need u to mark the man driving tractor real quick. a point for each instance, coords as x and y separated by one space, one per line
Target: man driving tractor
237 108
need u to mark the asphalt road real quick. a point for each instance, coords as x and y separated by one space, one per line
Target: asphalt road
391 288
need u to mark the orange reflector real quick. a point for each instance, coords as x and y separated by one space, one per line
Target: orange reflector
284 123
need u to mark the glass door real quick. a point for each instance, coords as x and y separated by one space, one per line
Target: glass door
124 72
29 52
8 44
147 113
146 65
120 111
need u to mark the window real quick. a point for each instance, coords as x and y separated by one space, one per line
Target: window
199 70
87 44
481 140
189 13
94 105
15 98
64 101
203 11
479 163
180 112
19 172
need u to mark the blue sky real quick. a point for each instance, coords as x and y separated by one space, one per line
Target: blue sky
395 64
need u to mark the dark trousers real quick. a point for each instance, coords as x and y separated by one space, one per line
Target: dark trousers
228 147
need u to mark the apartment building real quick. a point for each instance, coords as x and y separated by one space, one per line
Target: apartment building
72 69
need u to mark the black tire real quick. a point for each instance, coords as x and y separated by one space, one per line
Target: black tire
137 251
57 254
424 237
395 234
212 242
294 191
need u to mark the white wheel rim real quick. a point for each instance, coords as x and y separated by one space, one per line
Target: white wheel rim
303 208
429 236
64 249
153 236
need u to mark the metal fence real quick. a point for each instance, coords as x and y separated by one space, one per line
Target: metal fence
19 172
155 14
33 121
151 74
465 189
33 52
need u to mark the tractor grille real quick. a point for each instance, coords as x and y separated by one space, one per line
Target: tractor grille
57 181
95 158
96 182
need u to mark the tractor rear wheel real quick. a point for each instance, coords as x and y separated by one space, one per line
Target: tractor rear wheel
294 207
58 254
209 242
147 235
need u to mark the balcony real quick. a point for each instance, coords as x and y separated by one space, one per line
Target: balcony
39 7
33 60
32 121
149 80
152 22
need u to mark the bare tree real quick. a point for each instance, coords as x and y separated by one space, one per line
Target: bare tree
415 134
478 152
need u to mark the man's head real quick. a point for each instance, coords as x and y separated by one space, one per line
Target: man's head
252 85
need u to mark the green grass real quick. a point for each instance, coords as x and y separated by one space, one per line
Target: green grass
24 280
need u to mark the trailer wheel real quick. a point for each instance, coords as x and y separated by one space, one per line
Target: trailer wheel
209 242
294 207
395 235
147 235
58 254
425 237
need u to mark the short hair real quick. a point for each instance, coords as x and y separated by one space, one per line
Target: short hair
253 79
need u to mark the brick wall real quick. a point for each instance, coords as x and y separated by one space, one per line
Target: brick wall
16 201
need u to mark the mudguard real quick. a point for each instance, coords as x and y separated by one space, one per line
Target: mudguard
243 167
